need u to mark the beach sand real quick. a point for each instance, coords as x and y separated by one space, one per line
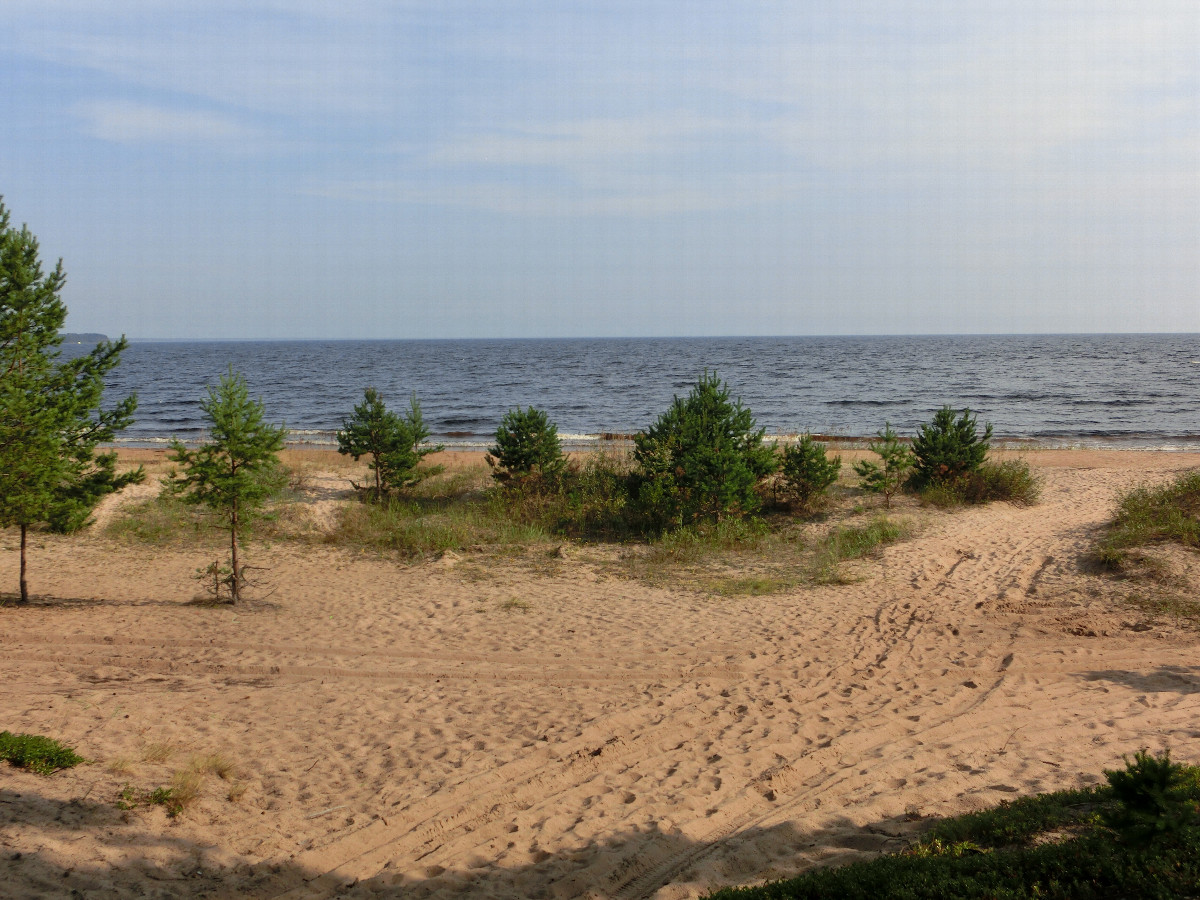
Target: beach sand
501 729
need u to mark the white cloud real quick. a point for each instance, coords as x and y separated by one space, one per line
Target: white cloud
125 122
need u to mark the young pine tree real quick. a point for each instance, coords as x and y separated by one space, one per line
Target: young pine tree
701 461
895 460
237 471
527 446
50 415
807 471
948 448
394 443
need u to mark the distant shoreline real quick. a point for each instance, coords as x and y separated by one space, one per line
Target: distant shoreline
82 337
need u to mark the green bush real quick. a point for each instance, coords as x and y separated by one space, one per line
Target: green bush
807 472
527 448
1049 846
895 460
42 755
395 444
1009 480
948 448
701 461
1155 797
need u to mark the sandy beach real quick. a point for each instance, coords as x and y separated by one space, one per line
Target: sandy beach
503 729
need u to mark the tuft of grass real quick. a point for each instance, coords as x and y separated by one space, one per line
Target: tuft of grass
853 542
514 603
417 528
1145 515
211 764
121 765
162 520
1011 480
157 752
38 754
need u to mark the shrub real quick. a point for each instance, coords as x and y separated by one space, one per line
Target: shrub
393 442
527 448
1155 797
701 461
807 471
948 448
1010 480
886 476
42 755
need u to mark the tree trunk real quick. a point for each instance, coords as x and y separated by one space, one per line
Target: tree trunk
235 593
24 586
378 481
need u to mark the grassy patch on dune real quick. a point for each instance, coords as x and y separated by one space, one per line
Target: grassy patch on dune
1150 529
39 754
1137 836
465 511
1151 515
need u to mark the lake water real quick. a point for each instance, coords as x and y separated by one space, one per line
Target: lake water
1101 390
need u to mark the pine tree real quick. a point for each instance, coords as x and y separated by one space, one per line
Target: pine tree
50 416
527 448
394 442
237 471
701 460
895 461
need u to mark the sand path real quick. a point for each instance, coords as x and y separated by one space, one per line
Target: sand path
439 731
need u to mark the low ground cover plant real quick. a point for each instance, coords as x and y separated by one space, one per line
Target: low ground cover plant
39 754
1106 841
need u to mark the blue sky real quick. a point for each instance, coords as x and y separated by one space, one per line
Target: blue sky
302 169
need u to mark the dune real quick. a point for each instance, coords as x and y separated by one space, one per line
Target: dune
376 728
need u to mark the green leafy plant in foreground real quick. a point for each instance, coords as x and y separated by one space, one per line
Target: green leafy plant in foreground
42 755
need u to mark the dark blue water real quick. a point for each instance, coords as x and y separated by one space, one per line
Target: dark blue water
1115 390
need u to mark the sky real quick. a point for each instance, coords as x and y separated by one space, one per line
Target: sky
552 168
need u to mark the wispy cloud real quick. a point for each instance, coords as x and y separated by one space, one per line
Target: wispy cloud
126 122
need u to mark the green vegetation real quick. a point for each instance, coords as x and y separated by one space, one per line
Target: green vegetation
42 755
807 473
1137 836
50 415
853 542
527 449
236 472
701 461
1009 480
948 449
1168 513
394 443
895 460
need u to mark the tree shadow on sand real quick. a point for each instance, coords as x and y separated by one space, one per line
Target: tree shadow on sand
125 857
1164 679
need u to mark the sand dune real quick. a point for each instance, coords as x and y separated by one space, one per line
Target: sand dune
412 731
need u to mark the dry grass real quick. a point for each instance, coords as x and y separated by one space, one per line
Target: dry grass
157 752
